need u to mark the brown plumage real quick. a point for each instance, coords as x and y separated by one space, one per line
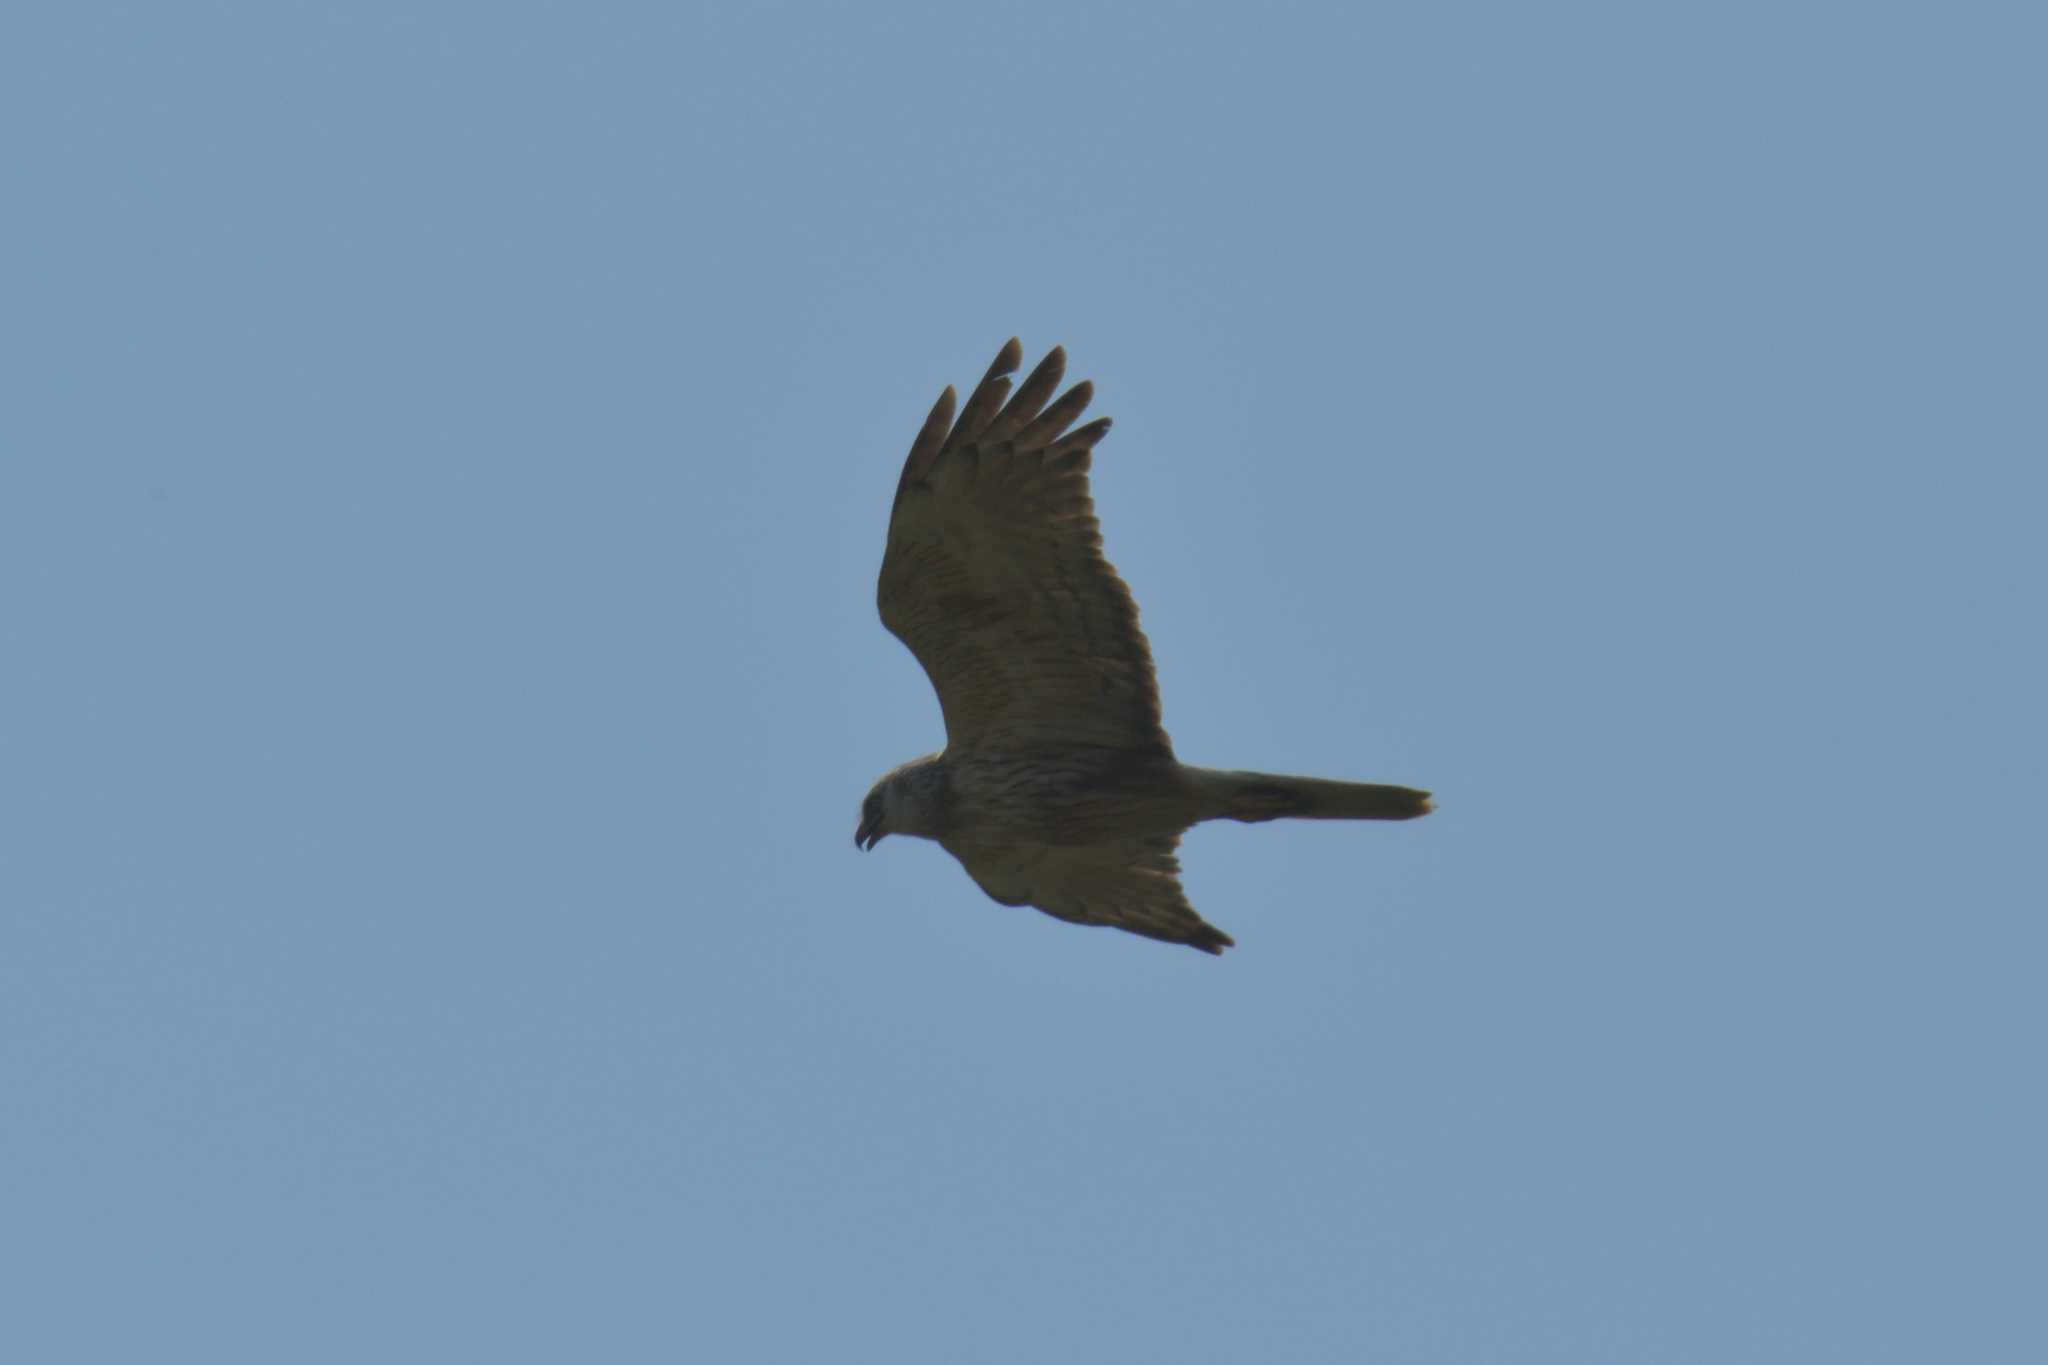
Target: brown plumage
1058 787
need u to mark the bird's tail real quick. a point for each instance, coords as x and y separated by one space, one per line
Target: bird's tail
1253 797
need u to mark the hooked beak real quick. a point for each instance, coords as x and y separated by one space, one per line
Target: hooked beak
866 837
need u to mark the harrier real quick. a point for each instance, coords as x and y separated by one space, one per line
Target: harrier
1057 787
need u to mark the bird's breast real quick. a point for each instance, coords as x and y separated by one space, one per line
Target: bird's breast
1067 797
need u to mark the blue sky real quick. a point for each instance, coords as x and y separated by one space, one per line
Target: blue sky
444 468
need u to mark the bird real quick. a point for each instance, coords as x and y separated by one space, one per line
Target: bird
1058 787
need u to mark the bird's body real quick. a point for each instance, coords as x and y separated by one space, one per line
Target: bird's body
1060 797
1058 787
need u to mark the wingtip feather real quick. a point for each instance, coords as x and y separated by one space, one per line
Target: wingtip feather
987 398
1080 440
932 437
1031 395
1046 428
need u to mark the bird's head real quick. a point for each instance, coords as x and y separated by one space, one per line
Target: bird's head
874 818
913 799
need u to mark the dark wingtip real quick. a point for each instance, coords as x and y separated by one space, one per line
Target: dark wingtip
1045 429
930 438
1080 440
1031 395
987 398
1211 940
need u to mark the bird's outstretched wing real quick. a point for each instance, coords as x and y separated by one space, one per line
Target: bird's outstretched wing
994 575
1129 884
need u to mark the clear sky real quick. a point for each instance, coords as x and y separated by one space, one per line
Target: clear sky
444 461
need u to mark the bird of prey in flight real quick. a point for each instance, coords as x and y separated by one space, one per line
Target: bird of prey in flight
1058 787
